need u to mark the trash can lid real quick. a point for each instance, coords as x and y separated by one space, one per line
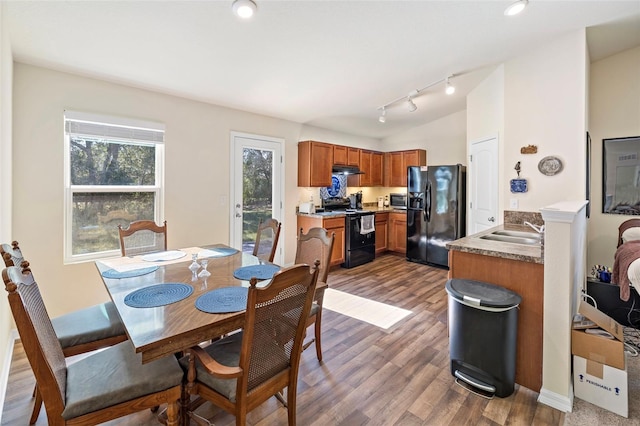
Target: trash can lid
482 294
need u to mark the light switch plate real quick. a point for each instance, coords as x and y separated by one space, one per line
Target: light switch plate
513 203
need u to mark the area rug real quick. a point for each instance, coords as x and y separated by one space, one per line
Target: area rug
375 313
585 413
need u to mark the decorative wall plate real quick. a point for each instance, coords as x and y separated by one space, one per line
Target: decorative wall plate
518 185
550 166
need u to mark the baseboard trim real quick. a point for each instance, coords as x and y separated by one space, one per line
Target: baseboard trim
6 366
557 401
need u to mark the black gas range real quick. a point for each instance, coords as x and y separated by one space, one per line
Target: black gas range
360 234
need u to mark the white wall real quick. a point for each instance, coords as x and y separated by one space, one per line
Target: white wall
485 119
6 72
545 105
614 92
197 163
443 139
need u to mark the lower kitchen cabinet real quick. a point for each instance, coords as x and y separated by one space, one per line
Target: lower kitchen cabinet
382 231
332 225
397 232
526 279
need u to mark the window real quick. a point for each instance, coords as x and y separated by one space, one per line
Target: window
113 176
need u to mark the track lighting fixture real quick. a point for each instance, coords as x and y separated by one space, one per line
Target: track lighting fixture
450 89
244 8
408 100
383 115
515 8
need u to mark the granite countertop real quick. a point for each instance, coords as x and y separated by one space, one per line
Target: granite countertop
475 244
341 213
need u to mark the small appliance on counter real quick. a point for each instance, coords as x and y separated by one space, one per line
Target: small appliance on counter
398 200
355 200
307 208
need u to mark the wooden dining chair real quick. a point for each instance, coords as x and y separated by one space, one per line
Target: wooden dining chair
267 239
241 371
142 236
316 244
103 386
80 331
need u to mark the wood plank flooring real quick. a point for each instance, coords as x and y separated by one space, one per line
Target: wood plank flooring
370 376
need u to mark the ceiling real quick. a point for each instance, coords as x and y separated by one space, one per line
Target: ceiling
330 64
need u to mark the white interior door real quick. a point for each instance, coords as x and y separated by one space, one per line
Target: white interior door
483 183
256 168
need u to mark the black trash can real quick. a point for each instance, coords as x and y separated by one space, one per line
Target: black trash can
483 326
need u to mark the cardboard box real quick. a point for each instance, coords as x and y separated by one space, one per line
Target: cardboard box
601 385
598 348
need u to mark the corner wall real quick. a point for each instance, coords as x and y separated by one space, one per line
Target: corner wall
614 112
6 76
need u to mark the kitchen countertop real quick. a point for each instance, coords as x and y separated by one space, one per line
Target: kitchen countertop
342 213
522 252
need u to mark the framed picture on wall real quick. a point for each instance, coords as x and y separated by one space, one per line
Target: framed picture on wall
621 175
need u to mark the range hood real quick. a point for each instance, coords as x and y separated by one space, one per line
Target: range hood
346 170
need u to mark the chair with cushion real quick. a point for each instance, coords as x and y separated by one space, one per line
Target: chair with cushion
103 386
241 371
80 331
316 244
267 239
142 236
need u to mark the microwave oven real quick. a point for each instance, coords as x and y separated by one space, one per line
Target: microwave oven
398 201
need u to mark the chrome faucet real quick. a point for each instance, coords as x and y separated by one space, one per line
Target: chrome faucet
538 229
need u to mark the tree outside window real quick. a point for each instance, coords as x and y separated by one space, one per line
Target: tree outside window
113 178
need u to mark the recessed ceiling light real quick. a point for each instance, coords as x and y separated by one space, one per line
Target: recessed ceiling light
244 8
516 7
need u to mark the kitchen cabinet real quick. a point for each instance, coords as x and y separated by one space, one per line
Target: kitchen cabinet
397 163
353 156
332 225
372 165
526 279
340 155
382 230
315 161
397 239
377 169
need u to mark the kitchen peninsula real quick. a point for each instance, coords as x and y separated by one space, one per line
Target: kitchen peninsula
517 267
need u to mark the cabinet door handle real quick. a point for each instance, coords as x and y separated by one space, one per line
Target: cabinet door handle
492 219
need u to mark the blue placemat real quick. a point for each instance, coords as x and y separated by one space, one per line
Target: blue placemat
158 295
217 252
112 273
262 272
223 300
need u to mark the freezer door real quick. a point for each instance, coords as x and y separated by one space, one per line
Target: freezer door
416 236
444 199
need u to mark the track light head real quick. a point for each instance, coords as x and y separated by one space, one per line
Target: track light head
244 8
410 105
383 115
515 8
450 89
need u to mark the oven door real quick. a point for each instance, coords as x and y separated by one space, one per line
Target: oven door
355 238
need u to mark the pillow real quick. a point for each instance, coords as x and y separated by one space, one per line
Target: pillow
631 234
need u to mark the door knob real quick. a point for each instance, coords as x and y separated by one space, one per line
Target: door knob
492 219
238 215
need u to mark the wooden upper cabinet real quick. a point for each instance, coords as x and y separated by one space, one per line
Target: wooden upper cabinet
353 156
377 169
365 167
340 155
397 163
315 161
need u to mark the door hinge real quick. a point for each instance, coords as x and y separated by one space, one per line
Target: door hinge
471 158
471 204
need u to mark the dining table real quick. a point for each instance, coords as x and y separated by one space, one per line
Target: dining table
175 319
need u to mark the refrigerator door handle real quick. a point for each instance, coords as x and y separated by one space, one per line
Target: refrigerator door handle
427 204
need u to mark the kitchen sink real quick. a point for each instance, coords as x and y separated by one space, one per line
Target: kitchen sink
522 234
530 241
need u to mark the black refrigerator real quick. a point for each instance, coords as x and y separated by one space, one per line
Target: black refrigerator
435 212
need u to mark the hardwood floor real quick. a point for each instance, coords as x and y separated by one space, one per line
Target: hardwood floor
370 376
